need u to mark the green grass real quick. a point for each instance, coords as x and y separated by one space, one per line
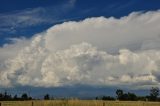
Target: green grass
77 103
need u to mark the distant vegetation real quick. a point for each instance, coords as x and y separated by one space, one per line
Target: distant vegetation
8 97
121 96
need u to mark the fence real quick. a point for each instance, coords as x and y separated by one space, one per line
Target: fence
77 103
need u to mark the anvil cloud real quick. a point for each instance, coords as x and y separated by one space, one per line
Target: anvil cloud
95 51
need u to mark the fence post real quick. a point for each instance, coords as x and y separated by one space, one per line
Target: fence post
32 103
103 103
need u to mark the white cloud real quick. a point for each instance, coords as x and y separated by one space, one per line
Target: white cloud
95 51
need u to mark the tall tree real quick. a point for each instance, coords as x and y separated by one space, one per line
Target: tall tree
154 92
24 96
119 93
46 97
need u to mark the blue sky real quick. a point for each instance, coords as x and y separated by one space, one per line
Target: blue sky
50 12
85 47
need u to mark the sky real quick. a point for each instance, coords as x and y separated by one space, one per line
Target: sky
84 47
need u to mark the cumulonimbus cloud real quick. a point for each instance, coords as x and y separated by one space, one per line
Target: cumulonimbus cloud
96 51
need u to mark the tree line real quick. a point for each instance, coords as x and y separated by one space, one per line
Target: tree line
128 96
8 97
120 95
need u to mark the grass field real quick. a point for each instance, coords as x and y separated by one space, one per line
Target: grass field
77 103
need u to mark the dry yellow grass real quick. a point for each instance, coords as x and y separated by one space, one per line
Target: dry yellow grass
77 103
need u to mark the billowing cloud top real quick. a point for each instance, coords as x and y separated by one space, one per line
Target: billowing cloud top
96 51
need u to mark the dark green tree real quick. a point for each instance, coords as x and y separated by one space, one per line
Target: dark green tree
46 97
119 94
15 97
132 96
107 98
154 92
24 96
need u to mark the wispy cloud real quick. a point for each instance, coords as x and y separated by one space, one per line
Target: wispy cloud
10 22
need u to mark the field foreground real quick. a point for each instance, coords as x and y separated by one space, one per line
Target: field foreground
77 103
